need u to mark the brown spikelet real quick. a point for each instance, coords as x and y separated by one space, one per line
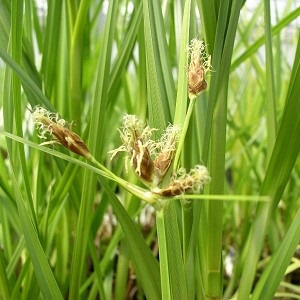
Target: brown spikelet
199 65
167 147
142 161
197 83
69 140
137 143
50 124
162 163
183 182
172 190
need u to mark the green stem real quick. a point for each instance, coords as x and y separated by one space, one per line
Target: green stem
133 189
163 255
187 217
183 131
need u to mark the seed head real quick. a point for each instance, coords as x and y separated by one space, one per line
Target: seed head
183 182
137 143
140 150
199 65
166 148
51 125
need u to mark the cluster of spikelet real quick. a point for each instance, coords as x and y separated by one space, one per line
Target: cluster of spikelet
151 160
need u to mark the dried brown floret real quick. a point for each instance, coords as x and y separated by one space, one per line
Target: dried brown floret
199 65
51 125
138 145
183 182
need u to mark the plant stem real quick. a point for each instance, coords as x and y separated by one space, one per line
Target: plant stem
183 131
134 189
163 254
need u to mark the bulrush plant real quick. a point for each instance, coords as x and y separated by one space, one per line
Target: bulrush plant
149 159
223 156
155 162
206 206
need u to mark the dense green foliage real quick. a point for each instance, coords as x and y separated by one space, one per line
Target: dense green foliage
79 228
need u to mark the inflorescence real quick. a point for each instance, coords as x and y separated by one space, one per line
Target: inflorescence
199 65
151 160
51 126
